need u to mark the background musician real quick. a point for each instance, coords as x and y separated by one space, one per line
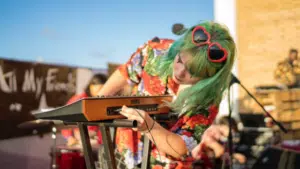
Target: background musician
72 135
92 89
240 150
161 66
287 72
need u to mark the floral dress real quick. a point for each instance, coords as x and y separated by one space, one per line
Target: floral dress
139 72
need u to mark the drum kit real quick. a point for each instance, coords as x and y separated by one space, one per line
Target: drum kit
62 156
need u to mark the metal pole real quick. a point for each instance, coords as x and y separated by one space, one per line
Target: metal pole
86 144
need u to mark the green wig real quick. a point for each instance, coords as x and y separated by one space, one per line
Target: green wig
215 77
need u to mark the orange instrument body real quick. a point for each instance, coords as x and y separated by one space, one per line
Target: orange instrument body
105 108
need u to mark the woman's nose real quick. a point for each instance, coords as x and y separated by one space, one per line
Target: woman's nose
181 72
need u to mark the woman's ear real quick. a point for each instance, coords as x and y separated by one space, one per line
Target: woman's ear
178 29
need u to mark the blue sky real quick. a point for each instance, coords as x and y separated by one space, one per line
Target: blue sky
90 33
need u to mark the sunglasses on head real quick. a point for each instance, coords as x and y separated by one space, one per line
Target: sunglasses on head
216 53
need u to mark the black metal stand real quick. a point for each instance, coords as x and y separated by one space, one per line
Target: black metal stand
230 144
106 137
146 153
87 148
236 80
108 141
108 147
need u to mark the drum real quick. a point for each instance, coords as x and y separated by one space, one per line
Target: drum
68 158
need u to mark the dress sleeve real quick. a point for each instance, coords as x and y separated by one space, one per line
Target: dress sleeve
144 56
191 127
132 69
76 98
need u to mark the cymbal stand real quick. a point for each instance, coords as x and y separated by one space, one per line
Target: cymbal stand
53 152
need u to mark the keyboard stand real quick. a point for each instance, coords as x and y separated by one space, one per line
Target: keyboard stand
106 137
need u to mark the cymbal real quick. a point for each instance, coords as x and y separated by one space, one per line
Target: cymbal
34 124
41 123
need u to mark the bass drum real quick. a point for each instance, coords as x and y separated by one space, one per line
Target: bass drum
68 158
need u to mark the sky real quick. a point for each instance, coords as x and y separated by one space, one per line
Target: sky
90 33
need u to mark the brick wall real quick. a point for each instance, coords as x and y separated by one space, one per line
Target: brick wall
266 30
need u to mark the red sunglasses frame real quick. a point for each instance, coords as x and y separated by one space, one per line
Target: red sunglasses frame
210 44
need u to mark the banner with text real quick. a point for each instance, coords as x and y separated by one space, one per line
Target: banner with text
27 87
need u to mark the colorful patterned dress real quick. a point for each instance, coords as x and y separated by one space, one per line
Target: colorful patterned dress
139 72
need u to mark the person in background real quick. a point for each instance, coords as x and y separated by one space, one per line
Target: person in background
72 135
91 90
239 150
287 72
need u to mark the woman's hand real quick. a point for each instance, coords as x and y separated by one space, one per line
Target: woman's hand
210 141
240 158
145 122
72 141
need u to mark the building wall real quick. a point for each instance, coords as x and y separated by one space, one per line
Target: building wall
266 30
225 13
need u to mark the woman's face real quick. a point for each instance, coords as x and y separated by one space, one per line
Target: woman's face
94 89
181 75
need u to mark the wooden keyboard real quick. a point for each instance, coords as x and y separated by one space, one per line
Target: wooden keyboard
105 108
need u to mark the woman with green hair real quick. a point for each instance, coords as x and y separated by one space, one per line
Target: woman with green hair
201 60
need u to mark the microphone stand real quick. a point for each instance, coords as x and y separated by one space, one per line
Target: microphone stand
234 79
230 144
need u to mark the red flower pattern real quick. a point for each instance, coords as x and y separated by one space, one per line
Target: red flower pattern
125 138
153 84
189 134
157 167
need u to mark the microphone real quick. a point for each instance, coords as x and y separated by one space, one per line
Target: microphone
234 79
